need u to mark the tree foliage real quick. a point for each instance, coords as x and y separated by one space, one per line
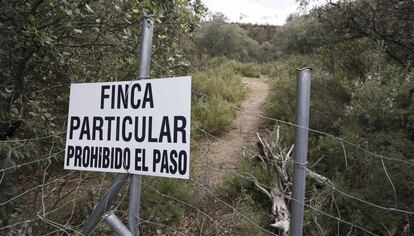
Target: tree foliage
46 45
385 22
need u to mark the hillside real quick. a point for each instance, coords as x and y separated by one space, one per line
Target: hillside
260 33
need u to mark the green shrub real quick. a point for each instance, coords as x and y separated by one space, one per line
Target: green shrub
237 224
218 84
161 204
251 202
249 69
329 96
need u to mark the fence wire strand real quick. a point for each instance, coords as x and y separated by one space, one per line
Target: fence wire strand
302 127
32 139
390 209
243 175
68 229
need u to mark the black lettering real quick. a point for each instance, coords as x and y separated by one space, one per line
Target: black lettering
150 138
112 153
94 157
138 158
105 157
126 137
78 156
85 159
144 166
126 159
182 160
113 97
157 158
103 95
138 101
164 162
100 157
73 125
122 96
173 165
118 121
85 130
180 128
118 158
97 127
148 96
165 130
109 119
136 133
69 155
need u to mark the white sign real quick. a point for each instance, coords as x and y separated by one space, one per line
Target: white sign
137 127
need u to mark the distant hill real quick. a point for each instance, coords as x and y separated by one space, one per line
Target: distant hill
260 33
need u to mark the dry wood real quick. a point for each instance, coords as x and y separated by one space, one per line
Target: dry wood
277 159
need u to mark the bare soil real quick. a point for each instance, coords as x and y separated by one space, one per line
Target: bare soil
218 156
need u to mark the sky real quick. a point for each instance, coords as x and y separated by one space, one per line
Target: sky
272 12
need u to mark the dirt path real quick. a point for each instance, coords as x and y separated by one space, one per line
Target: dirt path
225 153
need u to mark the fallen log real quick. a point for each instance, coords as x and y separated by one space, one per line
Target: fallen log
277 159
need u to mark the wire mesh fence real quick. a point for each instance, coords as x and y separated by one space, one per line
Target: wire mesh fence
45 200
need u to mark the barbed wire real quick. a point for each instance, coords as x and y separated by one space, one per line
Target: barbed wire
63 227
206 187
32 139
32 162
184 203
309 206
302 127
391 209
43 216
248 178
37 218
241 175
36 187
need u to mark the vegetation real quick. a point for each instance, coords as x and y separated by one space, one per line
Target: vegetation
361 53
362 91
47 46
219 83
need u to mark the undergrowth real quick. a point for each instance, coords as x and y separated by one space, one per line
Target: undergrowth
219 83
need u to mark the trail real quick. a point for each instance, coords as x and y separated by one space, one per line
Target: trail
224 154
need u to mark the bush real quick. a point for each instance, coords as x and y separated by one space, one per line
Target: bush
164 209
329 96
219 83
251 202
369 107
250 69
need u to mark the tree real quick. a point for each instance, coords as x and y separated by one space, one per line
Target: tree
216 37
387 23
300 35
49 44
46 45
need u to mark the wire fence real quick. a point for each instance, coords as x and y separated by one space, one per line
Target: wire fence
55 204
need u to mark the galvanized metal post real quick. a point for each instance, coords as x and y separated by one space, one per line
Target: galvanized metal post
116 224
135 180
301 150
104 204
147 26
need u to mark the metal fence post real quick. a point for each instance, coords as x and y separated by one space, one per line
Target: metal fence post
135 180
104 204
116 224
147 27
301 150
